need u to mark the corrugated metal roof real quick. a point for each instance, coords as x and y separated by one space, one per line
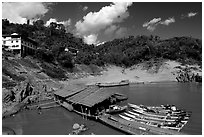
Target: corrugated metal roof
90 96
78 97
69 90
96 97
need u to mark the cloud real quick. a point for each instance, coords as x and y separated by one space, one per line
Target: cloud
94 22
189 15
19 12
91 39
121 32
168 21
152 24
65 23
85 8
110 30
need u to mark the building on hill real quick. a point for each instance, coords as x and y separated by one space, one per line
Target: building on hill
12 43
19 45
71 50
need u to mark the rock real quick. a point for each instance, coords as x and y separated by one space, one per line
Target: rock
76 126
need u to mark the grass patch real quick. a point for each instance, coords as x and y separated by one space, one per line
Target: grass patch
13 63
9 85
15 77
53 71
28 63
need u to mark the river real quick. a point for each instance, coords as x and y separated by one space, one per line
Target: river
58 121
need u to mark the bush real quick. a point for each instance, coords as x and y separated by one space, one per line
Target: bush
28 63
11 75
65 59
53 71
45 55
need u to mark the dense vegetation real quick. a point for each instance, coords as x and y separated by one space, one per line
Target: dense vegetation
53 41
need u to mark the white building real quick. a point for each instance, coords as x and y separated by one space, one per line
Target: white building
12 42
18 45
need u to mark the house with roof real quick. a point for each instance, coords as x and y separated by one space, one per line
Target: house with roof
19 45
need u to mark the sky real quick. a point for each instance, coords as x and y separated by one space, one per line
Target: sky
98 22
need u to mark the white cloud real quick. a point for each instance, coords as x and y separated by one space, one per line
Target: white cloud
91 39
65 23
19 12
189 15
85 8
110 29
94 22
152 24
168 21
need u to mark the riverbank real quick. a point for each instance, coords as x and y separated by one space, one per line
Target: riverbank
166 72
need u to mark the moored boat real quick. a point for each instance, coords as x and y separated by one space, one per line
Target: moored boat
150 119
113 84
159 117
159 112
115 109
168 125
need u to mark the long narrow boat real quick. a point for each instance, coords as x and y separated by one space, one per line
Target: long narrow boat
163 119
152 118
162 110
183 119
141 119
144 110
165 126
148 119
173 110
113 84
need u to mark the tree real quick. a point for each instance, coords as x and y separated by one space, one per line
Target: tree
65 59
39 24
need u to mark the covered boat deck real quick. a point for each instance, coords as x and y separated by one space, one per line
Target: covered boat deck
88 100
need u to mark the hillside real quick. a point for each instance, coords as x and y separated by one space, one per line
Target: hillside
126 52
62 59
133 50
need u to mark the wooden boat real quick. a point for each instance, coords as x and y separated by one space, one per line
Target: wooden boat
164 126
126 118
168 118
113 84
156 113
141 119
115 109
172 109
150 119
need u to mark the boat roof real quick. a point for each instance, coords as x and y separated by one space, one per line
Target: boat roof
69 90
91 96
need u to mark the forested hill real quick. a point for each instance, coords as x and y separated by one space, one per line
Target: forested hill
53 40
133 50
